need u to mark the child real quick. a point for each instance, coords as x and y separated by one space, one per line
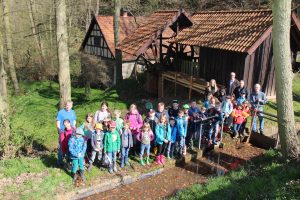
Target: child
238 119
152 120
77 148
97 145
112 146
102 113
136 122
105 124
182 131
214 124
172 142
241 99
64 137
119 121
206 102
226 110
221 94
246 114
145 137
194 113
88 126
173 111
193 110
161 111
127 143
163 136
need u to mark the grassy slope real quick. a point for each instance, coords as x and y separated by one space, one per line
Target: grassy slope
267 177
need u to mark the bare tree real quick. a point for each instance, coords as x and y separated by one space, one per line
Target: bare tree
118 66
8 40
63 53
97 7
284 78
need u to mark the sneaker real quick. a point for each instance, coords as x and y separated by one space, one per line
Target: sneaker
261 132
147 161
111 171
115 169
89 167
122 165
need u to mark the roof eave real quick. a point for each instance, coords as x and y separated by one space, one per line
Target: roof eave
262 38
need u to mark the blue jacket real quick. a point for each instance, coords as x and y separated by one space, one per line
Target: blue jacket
181 126
174 132
162 133
77 147
193 110
254 100
240 100
226 108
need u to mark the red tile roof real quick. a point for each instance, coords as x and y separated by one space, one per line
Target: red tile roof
228 30
149 31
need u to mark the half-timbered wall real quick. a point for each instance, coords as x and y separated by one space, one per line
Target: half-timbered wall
96 44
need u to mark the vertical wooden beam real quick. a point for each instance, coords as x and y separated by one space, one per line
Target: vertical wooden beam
160 49
191 85
175 84
162 85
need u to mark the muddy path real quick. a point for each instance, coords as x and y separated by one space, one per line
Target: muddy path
215 162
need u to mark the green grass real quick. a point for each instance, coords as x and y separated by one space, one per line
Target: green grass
266 177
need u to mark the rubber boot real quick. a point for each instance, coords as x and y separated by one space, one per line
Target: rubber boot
162 159
115 167
82 175
142 162
158 160
147 160
90 167
75 176
110 170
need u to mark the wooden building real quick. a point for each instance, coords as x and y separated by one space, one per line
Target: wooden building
99 41
228 41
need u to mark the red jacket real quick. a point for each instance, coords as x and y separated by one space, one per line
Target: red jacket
64 137
238 117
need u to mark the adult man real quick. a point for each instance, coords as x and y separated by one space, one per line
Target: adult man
233 83
62 115
258 100
240 89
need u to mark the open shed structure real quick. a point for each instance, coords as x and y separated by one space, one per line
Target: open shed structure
225 41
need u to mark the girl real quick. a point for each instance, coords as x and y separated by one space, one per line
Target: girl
136 122
145 137
102 113
77 148
119 121
105 124
238 119
112 144
64 137
212 87
88 126
127 143
172 143
163 136
182 131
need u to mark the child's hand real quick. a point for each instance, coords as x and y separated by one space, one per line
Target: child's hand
79 155
165 141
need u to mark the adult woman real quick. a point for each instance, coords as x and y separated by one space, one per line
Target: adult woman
212 87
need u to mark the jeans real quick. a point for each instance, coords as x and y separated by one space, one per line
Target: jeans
236 127
124 157
161 149
93 156
143 147
113 157
181 144
171 149
261 124
213 132
60 155
77 162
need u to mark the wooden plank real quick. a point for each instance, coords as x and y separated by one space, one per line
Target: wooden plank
191 86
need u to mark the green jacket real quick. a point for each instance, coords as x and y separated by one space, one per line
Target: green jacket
120 125
112 142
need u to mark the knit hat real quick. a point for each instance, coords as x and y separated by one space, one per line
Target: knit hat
175 101
151 111
112 124
79 131
99 126
172 118
185 106
149 106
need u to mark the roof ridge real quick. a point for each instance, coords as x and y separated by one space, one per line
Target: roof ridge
232 11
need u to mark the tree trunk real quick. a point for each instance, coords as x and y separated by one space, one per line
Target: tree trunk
284 78
97 7
88 15
118 67
4 118
63 53
8 40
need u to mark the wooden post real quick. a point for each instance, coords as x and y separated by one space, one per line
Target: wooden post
191 85
175 85
162 85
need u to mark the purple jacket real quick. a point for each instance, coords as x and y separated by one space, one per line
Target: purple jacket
135 120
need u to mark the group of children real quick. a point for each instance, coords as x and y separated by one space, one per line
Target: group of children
166 133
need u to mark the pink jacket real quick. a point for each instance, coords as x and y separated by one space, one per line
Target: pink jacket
64 137
135 120
140 136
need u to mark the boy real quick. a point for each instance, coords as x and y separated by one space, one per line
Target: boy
97 145
127 143
182 129
64 137
77 148
172 142
161 110
112 143
119 121
241 99
214 123
173 111
226 110
152 120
